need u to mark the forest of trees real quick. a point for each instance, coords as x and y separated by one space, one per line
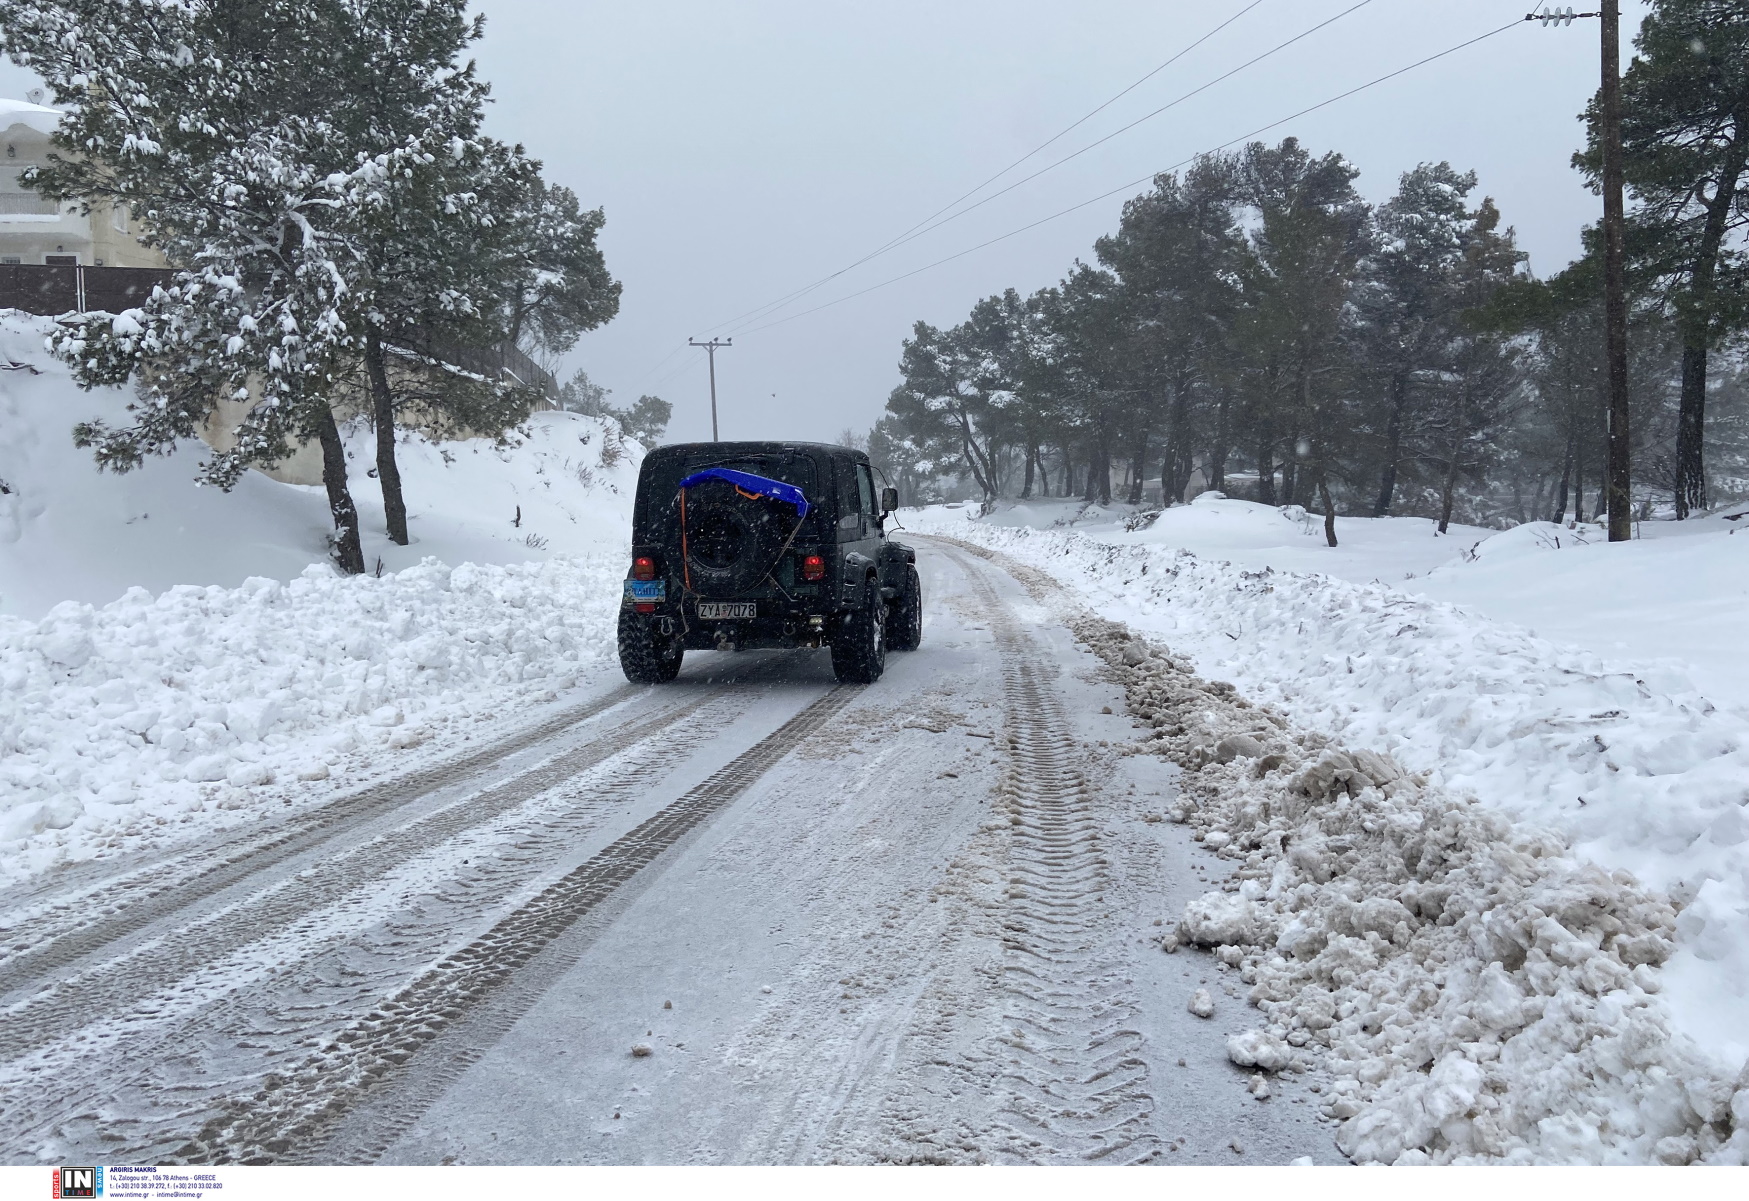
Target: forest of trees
1255 327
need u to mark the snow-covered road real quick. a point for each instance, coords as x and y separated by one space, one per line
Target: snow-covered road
749 917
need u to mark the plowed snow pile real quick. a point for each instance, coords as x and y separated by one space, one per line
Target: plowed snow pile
250 665
120 725
1481 988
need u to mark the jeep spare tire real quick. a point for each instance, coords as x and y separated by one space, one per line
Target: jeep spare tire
730 540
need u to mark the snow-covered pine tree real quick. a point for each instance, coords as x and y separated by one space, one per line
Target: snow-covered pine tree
466 246
212 123
410 107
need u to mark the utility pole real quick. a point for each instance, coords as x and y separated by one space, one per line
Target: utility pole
1617 469
710 348
1615 301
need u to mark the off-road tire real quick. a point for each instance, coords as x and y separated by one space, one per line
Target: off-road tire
859 651
734 541
646 655
905 614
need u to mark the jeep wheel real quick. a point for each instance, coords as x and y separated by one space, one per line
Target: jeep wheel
645 654
905 616
859 652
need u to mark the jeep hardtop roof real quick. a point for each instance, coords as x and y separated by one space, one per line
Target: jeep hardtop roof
729 450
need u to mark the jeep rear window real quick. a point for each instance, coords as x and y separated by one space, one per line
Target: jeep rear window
797 469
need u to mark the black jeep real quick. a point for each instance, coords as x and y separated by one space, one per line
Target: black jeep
741 545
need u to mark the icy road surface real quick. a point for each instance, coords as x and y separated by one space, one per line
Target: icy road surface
750 917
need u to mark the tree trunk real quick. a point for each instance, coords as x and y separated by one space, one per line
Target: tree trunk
1579 487
976 460
1221 447
1289 477
1103 492
1393 444
348 552
1566 482
1329 507
388 475
1138 469
1691 490
1447 491
1026 480
1265 474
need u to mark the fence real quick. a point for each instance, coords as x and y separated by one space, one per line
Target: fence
55 290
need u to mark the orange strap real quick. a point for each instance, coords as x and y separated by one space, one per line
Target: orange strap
685 557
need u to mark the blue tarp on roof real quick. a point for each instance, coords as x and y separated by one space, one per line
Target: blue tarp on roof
748 482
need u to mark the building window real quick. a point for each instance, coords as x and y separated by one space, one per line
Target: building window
118 217
61 260
11 260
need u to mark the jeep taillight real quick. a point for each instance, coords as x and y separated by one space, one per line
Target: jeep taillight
813 567
643 568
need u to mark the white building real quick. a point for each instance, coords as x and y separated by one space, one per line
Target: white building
34 230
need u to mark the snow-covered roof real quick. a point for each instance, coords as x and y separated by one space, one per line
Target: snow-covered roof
39 117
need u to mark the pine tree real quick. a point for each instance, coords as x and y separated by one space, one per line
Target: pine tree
1406 301
1312 232
1177 250
212 123
1685 144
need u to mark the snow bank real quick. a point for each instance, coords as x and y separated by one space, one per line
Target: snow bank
1676 592
120 725
1632 765
1479 994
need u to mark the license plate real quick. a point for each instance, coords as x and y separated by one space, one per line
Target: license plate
726 610
646 592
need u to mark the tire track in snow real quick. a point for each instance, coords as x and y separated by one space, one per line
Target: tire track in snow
300 986
294 1116
67 931
46 936
1070 1058
114 986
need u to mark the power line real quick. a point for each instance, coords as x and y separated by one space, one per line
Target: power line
1115 133
1516 22
904 235
937 224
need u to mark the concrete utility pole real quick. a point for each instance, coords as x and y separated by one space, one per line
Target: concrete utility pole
1617 475
710 348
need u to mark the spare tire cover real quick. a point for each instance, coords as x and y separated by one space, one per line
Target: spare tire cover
732 540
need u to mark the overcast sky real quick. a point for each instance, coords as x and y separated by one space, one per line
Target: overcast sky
742 152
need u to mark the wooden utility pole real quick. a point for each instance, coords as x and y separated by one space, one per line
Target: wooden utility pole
1615 303
1617 473
710 348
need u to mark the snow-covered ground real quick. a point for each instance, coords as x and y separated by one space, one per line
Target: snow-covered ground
173 657
1595 724
70 533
